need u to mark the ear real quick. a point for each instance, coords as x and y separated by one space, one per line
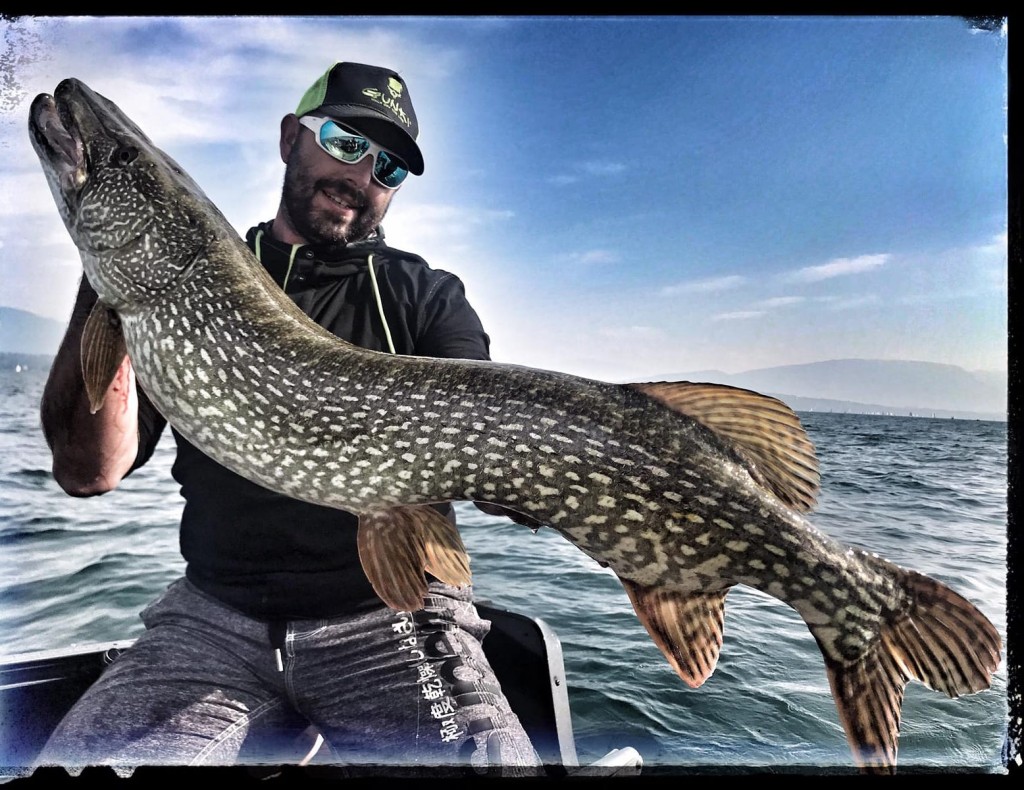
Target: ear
290 128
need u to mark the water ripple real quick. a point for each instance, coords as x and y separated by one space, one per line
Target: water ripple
927 494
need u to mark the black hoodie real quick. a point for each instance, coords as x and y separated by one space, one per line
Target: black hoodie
271 556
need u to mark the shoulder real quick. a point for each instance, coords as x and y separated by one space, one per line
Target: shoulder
402 267
403 260
259 230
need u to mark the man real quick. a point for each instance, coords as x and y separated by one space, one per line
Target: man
275 616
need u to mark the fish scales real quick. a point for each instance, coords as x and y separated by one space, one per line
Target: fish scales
511 458
683 489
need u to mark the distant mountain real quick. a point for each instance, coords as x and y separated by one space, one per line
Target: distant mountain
868 386
873 386
27 333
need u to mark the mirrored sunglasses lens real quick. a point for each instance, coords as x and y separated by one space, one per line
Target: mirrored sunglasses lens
389 170
339 143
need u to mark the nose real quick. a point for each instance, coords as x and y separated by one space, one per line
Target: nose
360 174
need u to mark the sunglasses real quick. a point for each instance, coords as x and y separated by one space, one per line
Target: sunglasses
350 147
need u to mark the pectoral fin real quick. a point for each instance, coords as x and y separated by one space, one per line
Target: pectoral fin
103 350
686 627
398 545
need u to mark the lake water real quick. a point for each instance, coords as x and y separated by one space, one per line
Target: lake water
929 494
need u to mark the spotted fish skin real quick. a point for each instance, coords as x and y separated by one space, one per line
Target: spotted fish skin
684 490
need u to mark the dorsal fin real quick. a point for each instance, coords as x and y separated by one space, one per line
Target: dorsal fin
764 431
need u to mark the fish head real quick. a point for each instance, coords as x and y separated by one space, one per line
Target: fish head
138 220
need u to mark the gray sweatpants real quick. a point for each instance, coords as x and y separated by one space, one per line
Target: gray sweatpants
203 686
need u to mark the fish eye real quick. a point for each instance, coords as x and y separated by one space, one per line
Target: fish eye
124 155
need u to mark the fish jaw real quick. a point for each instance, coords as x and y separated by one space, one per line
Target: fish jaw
59 147
138 220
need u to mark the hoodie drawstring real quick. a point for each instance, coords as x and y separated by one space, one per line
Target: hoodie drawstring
380 306
373 284
291 258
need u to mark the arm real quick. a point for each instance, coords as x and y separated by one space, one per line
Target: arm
92 453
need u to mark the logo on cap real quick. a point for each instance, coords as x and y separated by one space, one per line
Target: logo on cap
391 101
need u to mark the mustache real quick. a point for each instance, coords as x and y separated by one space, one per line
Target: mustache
356 197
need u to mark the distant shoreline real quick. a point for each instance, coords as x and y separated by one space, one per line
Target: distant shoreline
822 406
10 362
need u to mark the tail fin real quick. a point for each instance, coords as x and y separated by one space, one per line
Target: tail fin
939 638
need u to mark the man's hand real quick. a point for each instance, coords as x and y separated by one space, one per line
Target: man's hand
91 452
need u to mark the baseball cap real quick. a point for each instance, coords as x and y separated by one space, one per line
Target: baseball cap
374 101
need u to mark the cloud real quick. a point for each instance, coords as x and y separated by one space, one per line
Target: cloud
632 334
585 170
202 80
738 315
759 309
591 257
603 168
446 218
704 286
840 267
780 301
997 246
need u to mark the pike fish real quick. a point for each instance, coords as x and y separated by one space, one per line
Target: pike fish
683 489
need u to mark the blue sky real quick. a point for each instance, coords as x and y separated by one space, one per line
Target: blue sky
623 197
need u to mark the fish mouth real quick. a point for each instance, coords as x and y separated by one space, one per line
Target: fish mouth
57 140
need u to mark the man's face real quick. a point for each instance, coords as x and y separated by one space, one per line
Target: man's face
329 202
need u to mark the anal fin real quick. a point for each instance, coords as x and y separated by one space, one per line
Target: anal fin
687 627
397 546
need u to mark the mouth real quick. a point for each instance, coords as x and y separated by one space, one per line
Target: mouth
56 139
341 198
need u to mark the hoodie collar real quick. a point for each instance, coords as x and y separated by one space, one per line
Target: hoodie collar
309 264
322 252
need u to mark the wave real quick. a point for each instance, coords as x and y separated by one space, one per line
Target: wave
929 494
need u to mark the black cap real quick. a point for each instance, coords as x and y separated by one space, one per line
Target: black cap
377 103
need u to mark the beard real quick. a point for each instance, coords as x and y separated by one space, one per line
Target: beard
316 226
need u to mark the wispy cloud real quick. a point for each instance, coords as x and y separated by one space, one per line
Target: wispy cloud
594 168
840 267
591 257
632 334
710 285
759 308
738 315
445 216
590 169
997 246
780 301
